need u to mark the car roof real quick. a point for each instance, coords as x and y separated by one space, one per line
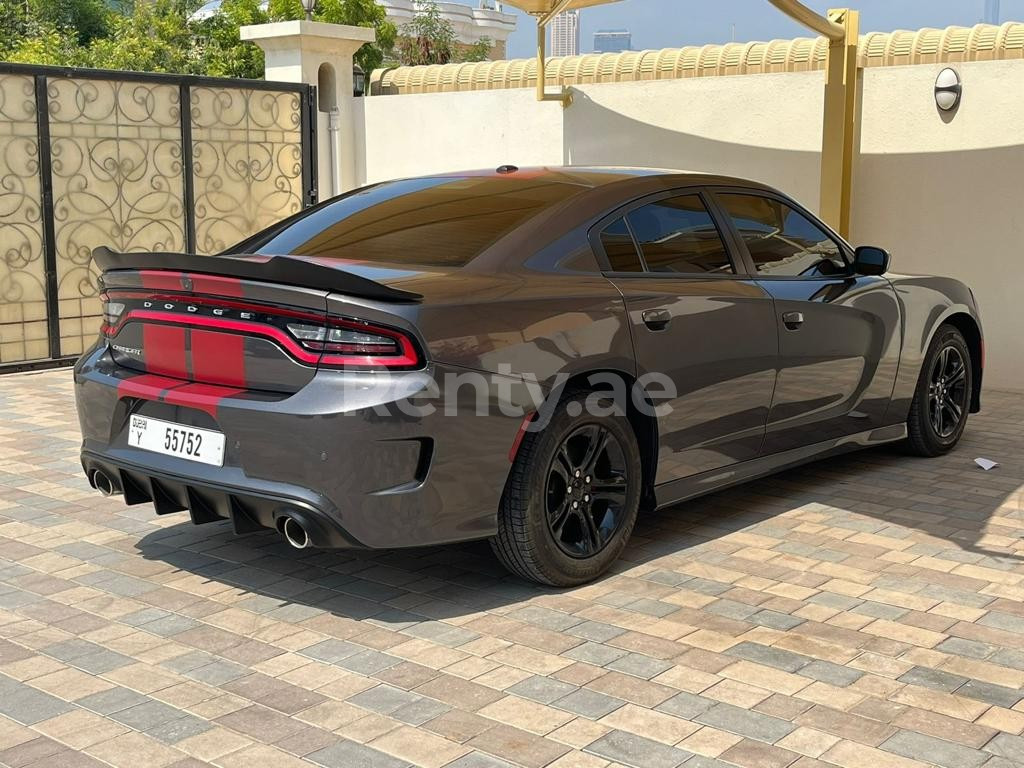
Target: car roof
477 209
599 175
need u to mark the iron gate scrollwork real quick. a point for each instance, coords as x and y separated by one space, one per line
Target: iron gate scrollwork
136 162
23 328
244 140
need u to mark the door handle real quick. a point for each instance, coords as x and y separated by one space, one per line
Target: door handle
793 320
657 319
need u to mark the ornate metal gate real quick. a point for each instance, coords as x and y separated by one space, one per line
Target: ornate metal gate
138 162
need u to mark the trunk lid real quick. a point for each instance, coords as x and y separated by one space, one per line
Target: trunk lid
211 330
237 322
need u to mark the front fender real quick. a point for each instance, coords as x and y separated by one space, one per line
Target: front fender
926 303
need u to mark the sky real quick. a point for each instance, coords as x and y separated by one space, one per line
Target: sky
675 23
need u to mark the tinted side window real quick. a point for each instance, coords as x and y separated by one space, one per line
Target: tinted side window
678 235
783 241
619 248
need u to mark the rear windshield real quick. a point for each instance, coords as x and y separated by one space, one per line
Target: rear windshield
440 221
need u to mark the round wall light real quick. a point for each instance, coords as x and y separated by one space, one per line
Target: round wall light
948 90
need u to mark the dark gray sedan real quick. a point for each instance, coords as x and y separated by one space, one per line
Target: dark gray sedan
530 356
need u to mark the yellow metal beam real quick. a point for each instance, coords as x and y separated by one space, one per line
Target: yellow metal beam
839 124
801 13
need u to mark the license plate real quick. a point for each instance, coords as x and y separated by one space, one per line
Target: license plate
172 439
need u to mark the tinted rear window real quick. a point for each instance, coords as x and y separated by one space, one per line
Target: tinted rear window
428 221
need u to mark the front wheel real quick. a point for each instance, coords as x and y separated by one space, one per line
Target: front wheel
572 497
938 413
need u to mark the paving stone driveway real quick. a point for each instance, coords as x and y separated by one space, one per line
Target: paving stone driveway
864 612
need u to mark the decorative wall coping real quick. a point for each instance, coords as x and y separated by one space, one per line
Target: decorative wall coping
982 42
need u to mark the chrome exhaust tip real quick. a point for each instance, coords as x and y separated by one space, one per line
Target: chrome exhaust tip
101 480
294 533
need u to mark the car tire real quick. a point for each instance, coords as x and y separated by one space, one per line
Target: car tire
938 413
538 524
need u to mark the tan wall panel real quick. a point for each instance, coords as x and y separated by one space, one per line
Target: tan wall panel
943 193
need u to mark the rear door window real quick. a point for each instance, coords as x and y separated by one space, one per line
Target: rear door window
620 248
677 234
673 235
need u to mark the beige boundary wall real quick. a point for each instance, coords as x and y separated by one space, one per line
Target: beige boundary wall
945 195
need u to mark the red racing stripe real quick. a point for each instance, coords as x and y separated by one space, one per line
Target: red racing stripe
218 357
202 397
145 385
241 326
217 285
163 347
161 280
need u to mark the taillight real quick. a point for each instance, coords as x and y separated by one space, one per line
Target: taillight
351 343
112 311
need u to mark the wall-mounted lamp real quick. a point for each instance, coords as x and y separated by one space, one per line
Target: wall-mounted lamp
309 6
948 90
358 80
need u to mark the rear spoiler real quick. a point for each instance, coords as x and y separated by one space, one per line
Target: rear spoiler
284 270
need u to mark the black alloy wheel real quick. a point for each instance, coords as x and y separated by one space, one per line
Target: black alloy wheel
572 495
947 391
586 491
942 400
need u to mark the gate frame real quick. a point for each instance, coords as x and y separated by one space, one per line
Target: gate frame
42 74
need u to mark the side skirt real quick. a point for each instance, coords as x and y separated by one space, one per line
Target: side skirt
686 488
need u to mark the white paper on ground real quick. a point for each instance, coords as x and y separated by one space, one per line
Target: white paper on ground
986 464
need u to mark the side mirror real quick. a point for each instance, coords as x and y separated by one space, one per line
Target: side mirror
869 260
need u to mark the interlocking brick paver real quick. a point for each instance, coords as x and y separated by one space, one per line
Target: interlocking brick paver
755 753
862 612
828 672
150 714
478 760
26 705
743 722
772 657
933 678
1000 695
588 703
686 705
630 749
542 689
518 746
35 750
932 750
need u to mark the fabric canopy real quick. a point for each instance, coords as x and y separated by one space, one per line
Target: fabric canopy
541 7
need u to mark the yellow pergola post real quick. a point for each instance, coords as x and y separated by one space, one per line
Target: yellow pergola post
839 126
564 95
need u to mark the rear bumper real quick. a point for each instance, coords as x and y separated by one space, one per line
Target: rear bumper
249 509
337 455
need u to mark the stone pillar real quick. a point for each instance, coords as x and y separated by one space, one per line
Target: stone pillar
321 55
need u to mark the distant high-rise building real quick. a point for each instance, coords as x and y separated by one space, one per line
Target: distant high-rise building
612 40
991 11
565 34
